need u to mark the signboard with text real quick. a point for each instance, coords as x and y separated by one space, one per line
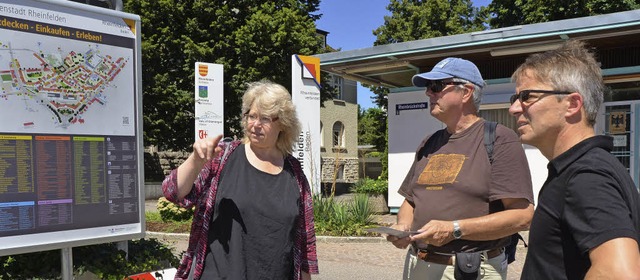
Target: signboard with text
71 151
409 123
209 97
305 91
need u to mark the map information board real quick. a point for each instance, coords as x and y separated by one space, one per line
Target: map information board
70 135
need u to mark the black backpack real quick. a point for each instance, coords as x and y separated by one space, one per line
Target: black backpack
489 139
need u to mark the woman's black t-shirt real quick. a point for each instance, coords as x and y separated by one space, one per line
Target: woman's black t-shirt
251 235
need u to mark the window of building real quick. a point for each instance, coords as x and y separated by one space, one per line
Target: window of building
338 134
340 172
336 82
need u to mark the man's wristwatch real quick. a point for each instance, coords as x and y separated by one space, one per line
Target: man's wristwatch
457 233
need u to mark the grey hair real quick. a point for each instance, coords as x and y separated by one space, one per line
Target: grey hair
477 92
573 68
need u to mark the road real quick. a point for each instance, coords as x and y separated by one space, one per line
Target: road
351 257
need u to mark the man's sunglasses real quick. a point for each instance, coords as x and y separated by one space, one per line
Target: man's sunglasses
438 86
525 95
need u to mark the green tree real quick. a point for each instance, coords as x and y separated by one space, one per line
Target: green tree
372 130
372 127
509 13
416 19
252 39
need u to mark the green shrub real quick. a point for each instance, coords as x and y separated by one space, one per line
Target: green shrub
361 209
103 260
370 186
342 219
170 211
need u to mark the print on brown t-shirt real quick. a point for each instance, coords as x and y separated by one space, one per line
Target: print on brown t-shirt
441 169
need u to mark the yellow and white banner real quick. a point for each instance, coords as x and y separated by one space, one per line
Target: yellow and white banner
305 91
209 96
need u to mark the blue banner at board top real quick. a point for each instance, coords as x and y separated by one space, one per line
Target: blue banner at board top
411 106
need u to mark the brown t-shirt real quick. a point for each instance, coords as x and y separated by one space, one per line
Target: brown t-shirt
452 179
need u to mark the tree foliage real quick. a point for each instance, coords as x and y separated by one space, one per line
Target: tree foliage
253 40
372 126
372 130
415 19
509 13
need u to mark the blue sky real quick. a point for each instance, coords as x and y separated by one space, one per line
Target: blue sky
350 24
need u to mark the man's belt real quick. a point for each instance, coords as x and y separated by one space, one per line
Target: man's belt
443 259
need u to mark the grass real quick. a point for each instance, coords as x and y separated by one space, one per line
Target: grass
155 223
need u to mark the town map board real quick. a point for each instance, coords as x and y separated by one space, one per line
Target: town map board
71 132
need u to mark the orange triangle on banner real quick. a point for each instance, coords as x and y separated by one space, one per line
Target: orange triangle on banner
312 64
312 69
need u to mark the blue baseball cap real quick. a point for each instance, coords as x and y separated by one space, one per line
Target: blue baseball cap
450 67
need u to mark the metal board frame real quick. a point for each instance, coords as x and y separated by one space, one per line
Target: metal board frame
21 17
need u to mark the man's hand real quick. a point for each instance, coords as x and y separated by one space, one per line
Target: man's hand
435 232
400 243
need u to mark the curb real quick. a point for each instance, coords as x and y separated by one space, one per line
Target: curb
350 239
166 234
321 239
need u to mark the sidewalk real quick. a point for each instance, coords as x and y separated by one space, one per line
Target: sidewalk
349 257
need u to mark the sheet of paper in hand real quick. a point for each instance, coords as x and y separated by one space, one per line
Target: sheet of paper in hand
391 231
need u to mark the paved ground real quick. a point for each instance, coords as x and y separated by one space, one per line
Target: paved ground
350 257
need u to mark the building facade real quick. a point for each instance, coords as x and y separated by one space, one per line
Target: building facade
339 134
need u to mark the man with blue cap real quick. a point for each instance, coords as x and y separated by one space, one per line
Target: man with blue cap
464 197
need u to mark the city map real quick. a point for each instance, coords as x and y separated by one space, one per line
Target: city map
56 89
70 135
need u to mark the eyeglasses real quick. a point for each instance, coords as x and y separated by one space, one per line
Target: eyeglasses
526 99
438 86
264 120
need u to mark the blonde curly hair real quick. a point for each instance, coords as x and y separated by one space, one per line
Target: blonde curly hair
273 99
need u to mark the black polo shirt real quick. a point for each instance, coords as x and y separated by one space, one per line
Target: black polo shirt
588 199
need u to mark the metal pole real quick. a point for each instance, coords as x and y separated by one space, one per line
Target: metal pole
67 263
124 246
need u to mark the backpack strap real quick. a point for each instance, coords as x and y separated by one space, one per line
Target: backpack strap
489 138
427 148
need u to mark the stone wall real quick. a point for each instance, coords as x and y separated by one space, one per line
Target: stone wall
157 165
350 174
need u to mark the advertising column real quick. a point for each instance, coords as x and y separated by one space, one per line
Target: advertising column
209 100
305 91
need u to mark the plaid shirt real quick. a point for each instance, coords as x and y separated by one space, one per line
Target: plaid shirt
304 252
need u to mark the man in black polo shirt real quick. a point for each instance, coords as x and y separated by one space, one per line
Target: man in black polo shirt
587 221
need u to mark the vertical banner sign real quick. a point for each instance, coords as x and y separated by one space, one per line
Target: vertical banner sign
209 100
71 152
305 91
